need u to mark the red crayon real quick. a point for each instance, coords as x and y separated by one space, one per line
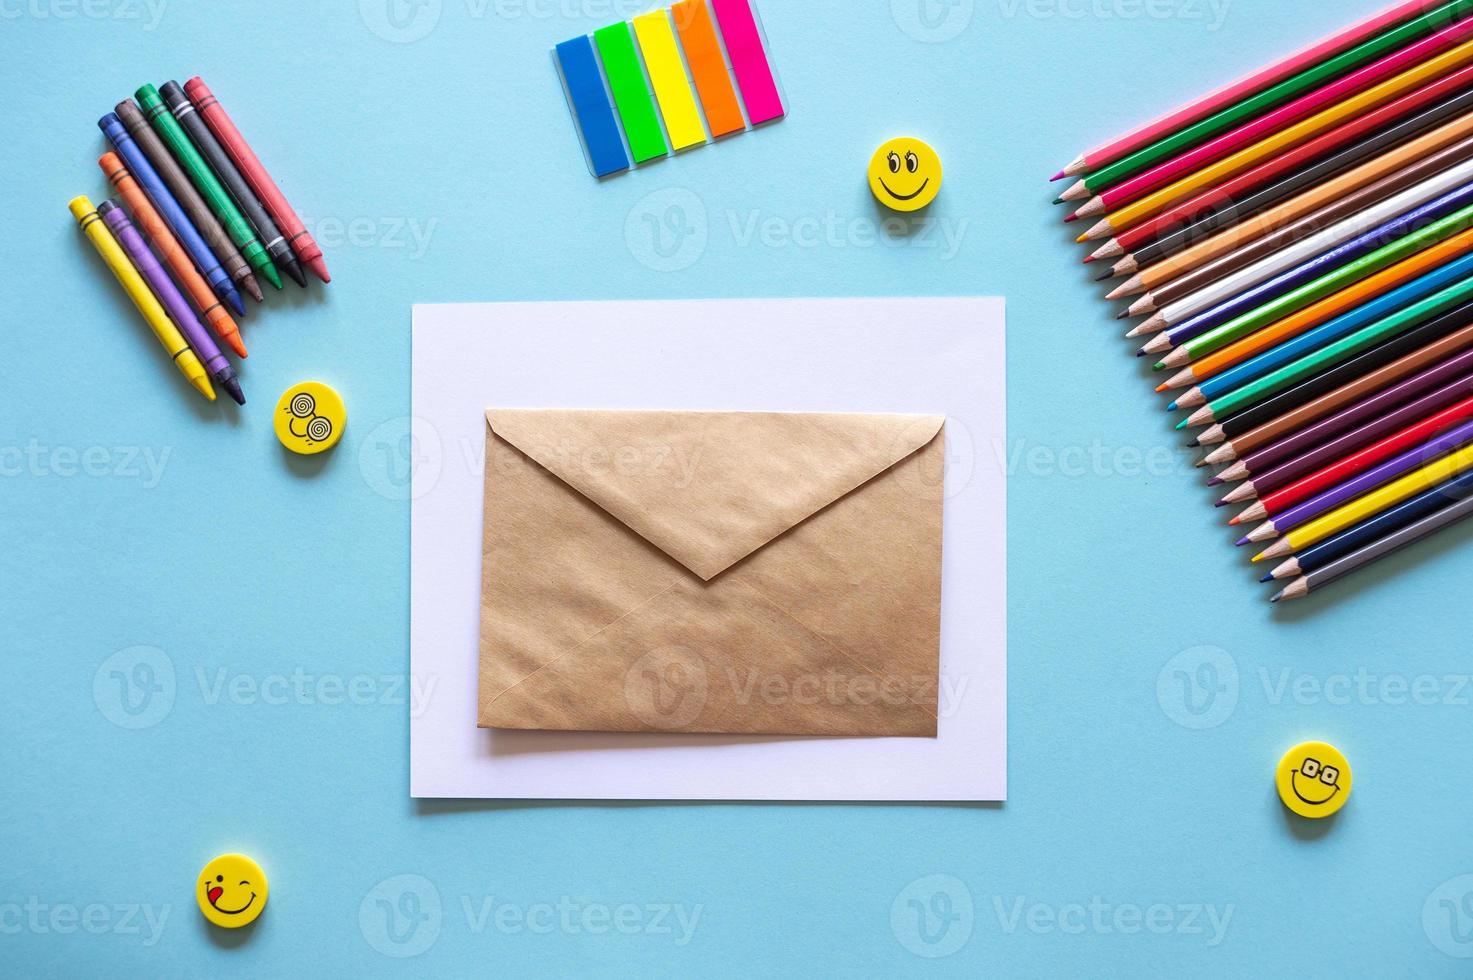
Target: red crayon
266 190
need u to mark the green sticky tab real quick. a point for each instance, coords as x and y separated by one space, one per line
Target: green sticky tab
631 94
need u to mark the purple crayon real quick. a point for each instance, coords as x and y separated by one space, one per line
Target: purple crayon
172 300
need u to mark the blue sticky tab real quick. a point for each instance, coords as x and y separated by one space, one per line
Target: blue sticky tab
591 105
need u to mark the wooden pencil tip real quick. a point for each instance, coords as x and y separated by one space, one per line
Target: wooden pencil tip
1161 387
1141 353
1123 315
1171 407
1216 481
1244 540
1219 504
1072 218
1082 239
1090 258
1267 578
1109 273
1058 176
1234 522
1183 423
1058 200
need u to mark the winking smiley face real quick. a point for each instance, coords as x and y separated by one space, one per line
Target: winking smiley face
232 891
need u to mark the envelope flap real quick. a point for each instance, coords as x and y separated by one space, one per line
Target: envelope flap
709 488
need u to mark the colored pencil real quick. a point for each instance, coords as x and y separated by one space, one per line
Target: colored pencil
1123 210
1245 87
1402 515
1163 162
1370 220
1258 486
1372 371
1364 302
1370 554
1151 243
1216 197
1277 298
1162 286
1329 355
1419 435
1367 504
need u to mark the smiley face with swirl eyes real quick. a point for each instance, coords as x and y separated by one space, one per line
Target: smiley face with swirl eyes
310 418
905 174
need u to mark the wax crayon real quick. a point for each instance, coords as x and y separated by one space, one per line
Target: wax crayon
173 254
208 185
234 181
220 123
143 298
168 295
173 211
178 183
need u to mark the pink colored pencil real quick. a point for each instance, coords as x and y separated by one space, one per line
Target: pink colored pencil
1286 115
1248 85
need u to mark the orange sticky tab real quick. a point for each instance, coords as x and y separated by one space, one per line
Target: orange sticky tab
707 67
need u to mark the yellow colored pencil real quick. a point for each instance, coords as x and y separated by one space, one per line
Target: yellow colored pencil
1348 515
1415 77
143 298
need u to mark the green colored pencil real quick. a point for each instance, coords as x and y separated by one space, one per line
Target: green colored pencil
1256 105
1331 354
1318 289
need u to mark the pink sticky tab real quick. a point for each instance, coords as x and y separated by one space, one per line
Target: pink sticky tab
748 60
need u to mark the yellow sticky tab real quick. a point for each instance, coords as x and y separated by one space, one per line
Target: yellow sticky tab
667 73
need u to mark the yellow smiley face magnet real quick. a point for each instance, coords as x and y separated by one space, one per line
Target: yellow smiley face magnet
1313 779
905 174
231 891
310 418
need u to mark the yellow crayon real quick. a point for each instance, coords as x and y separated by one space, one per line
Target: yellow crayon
142 297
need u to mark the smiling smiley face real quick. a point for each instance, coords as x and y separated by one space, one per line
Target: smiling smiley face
231 891
905 174
1313 779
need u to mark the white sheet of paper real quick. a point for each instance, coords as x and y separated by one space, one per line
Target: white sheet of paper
829 355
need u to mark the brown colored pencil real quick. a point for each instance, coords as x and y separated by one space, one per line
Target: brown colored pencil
1341 209
1353 391
1302 204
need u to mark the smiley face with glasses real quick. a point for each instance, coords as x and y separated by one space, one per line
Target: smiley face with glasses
1313 779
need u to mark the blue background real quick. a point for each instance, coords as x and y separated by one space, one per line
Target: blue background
237 567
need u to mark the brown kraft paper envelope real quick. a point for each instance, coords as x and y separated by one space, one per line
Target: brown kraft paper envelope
754 573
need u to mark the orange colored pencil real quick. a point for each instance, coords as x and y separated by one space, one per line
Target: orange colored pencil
173 254
1310 201
1323 311
1285 139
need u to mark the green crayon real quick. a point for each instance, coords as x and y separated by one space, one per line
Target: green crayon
210 188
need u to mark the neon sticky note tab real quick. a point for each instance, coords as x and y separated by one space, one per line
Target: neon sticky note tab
667 75
631 94
748 60
708 67
591 106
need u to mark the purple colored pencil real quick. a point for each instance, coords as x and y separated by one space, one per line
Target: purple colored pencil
1343 420
1397 466
171 299
1284 474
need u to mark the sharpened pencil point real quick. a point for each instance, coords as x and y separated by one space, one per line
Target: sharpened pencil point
1222 503
1072 218
1216 481
1140 353
1171 407
1058 176
1277 597
1090 258
1161 387
1235 521
1123 315
1058 200
1267 578
1183 423
1159 366
1242 541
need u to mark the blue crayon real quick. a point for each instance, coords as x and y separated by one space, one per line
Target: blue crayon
184 229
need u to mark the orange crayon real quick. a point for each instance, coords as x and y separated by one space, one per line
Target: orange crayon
175 258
